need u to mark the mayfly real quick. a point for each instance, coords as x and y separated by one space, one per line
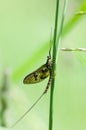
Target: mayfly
37 76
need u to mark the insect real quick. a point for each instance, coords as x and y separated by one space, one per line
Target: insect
37 76
40 74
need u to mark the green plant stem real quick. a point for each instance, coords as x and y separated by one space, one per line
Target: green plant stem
73 49
81 13
53 67
55 50
74 19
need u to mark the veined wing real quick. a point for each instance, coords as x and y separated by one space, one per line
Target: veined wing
38 75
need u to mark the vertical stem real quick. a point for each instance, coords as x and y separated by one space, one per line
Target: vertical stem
55 50
53 68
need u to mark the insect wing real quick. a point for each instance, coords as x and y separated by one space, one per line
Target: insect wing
37 76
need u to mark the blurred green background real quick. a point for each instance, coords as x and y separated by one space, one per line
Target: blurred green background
25 28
